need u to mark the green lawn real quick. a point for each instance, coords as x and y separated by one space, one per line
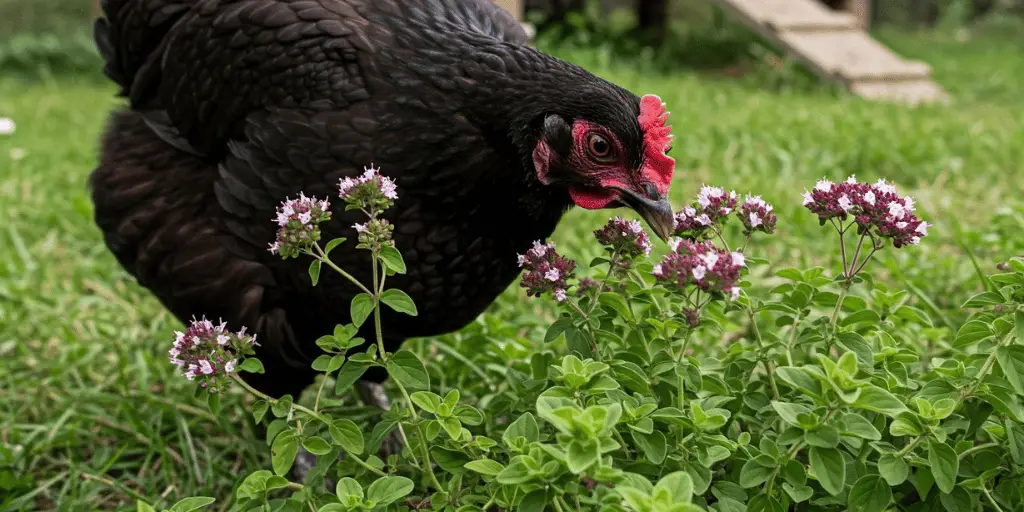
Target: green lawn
91 416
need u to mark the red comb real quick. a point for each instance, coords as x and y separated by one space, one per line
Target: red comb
657 138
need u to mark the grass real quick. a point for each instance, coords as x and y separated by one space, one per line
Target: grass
91 416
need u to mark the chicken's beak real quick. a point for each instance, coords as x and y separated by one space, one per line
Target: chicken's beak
658 214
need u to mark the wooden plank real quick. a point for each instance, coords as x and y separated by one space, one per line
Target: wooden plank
861 10
914 92
852 56
788 14
833 45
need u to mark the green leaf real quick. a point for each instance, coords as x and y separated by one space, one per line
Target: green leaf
427 401
944 464
959 501
799 379
798 494
347 487
485 467
876 399
825 436
347 435
452 426
191 504
142 506
251 365
399 301
350 372
388 489
616 302
405 367
862 316
283 452
856 425
679 485
972 332
869 494
582 455
790 412
392 259
259 410
829 468
333 244
984 299
314 271
654 445
316 445
893 469
360 308
1018 320
524 426
753 474
535 501
1011 360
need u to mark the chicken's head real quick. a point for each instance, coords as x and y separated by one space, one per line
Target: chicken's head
609 160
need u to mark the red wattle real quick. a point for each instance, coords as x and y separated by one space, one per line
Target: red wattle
592 199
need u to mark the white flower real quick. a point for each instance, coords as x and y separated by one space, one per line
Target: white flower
823 185
704 220
521 259
845 203
222 339
7 126
230 366
710 259
699 272
922 228
205 367
738 259
690 211
755 221
552 274
908 203
735 291
559 295
884 187
808 198
869 198
360 228
852 180
657 270
896 210
634 226
673 243
305 217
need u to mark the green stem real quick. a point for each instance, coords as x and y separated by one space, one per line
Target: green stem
764 358
988 496
376 309
308 411
586 319
987 366
558 506
839 305
319 391
792 340
604 282
978 448
426 459
320 255
910 446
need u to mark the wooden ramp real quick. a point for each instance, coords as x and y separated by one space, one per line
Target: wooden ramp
834 46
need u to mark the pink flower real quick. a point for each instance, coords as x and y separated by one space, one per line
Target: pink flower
298 223
370 190
702 265
713 206
875 208
209 351
625 238
757 215
546 271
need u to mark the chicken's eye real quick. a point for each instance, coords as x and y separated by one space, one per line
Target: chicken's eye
599 147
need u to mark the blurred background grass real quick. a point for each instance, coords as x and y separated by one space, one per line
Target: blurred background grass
91 416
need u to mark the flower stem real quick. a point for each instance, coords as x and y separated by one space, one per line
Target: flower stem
842 246
839 305
792 340
718 232
991 500
322 256
310 412
319 391
987 366
764 358
856 254
586 319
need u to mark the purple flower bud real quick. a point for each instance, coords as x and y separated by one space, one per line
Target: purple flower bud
626 238
875 208
298 223
701 265
546 271
202 348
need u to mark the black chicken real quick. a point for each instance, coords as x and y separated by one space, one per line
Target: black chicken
237 104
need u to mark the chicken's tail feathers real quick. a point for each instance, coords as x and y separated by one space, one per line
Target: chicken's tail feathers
129 32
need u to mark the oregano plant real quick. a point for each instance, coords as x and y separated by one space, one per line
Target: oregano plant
662 384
